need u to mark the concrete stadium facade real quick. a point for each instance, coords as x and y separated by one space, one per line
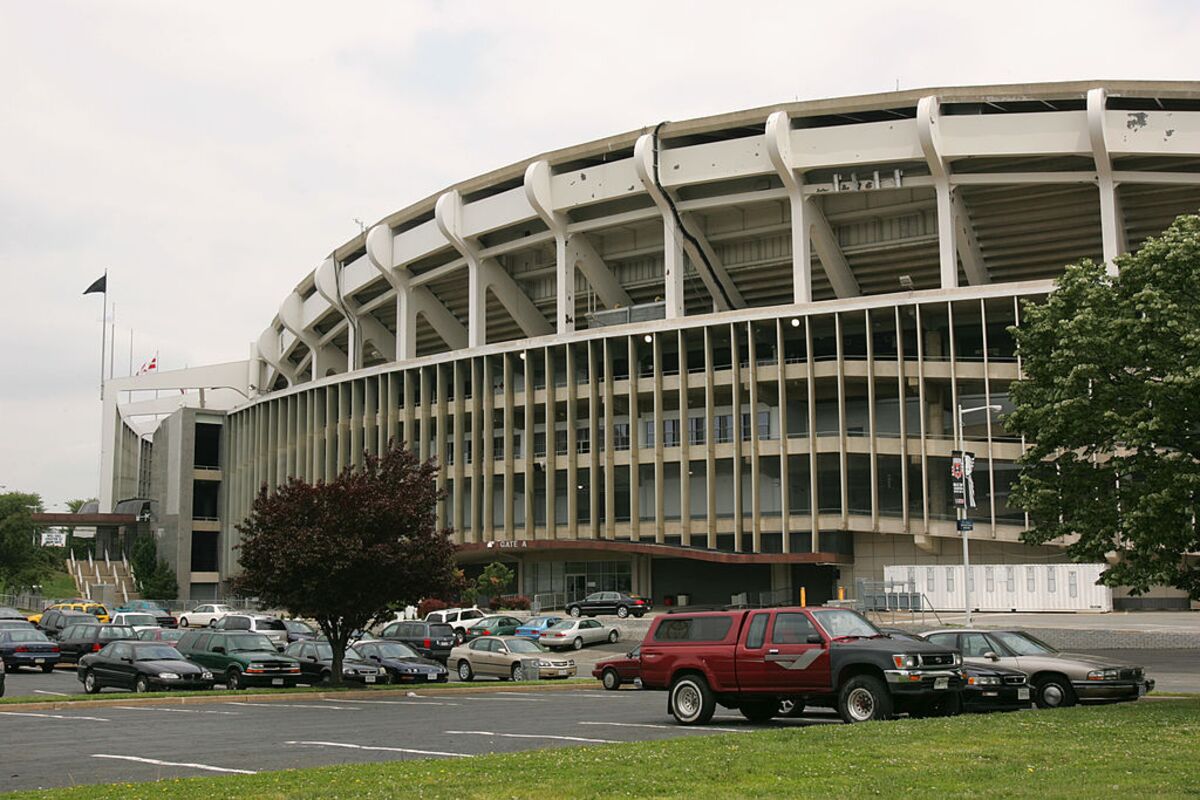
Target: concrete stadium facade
705 358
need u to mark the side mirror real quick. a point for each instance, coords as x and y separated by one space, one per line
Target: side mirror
815 638
127 659
219 649
312 658
991 656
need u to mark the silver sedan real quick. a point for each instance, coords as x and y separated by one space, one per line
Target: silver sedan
576 633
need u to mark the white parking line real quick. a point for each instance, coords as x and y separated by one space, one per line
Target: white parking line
292 705
492 696
190 765
669 727
174 710
535 736
50 716
56 694
349 746
392 702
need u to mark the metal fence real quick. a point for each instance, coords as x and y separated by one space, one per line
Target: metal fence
898 600
550 601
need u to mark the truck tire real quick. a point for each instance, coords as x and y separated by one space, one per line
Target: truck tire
760 711
1053 691
864 698
948 705
790 708
691 701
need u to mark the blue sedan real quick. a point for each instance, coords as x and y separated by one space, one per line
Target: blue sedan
534 627
28 648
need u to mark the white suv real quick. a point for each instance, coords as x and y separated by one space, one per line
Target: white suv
271 627
457 618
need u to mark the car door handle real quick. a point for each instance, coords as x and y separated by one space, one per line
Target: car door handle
774 651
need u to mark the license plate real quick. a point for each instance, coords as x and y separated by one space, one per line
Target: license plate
369 678
941 683
277 681
39 661
1022 694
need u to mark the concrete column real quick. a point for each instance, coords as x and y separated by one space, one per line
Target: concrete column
510 453
635 509
755 471
710 447
1112 222
659 444
572 447
785 501
610 470
738 446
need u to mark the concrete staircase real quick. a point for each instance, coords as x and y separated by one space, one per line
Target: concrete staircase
105 580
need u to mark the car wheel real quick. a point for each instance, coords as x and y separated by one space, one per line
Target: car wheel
613 636
183 622
458 636
760 712
790 708
575 611
326 678
47 668
465 673
578 643
864 698
90 684
141 686
622 611
1054 691
691 701
517 673
610 679
233 679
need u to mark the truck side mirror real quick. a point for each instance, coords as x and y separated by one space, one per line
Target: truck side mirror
219 649
815 638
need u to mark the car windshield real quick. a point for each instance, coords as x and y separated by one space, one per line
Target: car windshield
564 625
249 642
524 646
839 622
298 626
396 650
1023 644
158 652
25 636
139 619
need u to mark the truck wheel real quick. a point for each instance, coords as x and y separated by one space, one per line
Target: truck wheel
790 708
760 712
691 701
233 679
864 698
1053 691
610 679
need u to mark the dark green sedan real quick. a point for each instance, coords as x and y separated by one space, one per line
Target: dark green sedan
497 625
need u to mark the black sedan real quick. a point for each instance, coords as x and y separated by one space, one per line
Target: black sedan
994 689
17 624
316 664
402 663
617 603
141 666
11 613
23 647
299 631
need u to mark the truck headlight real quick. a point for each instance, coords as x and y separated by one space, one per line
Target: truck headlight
169 676
984 680
1104 675
905 662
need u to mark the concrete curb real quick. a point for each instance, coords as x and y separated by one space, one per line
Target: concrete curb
202 698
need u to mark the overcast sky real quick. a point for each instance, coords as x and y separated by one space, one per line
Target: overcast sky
211 154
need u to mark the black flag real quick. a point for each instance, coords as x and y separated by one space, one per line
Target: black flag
98 285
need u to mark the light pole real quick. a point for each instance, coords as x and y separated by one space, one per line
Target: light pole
962 510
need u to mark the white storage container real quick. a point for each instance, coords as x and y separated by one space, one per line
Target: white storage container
1009 587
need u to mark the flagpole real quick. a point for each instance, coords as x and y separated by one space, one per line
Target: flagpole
103 333
112 351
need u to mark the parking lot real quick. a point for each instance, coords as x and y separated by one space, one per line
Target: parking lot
148 742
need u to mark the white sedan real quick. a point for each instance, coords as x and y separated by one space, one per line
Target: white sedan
138 620
576 633
204 615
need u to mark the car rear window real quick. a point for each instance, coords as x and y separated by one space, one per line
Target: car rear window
271 625
440 630
693 629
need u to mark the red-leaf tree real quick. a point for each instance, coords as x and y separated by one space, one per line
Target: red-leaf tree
342 552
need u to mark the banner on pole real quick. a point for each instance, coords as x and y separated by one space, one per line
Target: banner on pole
54 539
962 482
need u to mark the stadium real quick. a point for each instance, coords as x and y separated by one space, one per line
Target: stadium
704 359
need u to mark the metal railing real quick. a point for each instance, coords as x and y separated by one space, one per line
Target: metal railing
898 600
549 601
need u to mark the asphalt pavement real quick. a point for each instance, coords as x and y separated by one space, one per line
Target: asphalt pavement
151 742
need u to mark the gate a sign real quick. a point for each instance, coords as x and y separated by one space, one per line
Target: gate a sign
962 467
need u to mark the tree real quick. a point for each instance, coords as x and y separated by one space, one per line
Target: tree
495 578
154 576
342 552
1110 399
22 562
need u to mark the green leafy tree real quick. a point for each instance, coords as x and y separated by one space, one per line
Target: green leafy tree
23 564
494 580
154 577
345 551
80 547
1110 400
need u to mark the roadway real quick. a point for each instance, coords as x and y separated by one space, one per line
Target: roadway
129 743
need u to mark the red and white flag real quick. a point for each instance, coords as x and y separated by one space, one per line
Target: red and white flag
149 366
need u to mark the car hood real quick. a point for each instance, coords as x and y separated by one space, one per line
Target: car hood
977 669
1093 661
169 665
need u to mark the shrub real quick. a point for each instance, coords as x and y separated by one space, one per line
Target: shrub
429 605
517 602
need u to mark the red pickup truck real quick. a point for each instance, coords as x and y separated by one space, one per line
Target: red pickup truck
756 659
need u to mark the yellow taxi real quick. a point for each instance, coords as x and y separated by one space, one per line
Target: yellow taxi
97 610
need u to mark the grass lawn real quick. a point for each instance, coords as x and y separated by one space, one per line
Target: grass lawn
58 584
1143 749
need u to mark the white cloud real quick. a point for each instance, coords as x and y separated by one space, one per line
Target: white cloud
211 154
